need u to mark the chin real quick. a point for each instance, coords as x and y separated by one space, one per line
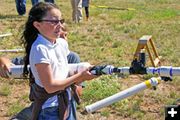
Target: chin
57 36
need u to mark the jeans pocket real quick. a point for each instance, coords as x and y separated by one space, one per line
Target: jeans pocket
50 113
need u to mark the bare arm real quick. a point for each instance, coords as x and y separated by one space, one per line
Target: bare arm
52 85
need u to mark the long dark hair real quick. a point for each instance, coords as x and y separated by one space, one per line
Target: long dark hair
30 33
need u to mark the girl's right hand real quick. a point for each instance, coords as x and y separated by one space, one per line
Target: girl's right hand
86 75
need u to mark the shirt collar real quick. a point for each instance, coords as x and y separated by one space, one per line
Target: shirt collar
46 41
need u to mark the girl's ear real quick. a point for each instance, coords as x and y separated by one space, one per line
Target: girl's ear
36 24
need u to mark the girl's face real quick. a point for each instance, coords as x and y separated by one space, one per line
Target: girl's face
51 25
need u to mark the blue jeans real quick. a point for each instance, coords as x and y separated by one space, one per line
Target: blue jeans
52 113
37 1
24 114
21 6
34 2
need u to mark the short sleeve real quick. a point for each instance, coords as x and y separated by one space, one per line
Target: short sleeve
39 54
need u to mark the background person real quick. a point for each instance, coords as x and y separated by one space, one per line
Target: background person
21 7
37 1
76 10
85 4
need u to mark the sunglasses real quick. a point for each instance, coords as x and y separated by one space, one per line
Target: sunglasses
54 22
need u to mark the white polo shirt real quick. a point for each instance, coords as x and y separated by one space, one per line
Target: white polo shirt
43 51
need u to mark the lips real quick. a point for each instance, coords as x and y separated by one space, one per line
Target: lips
58 32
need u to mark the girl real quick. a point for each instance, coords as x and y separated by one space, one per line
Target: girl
47 54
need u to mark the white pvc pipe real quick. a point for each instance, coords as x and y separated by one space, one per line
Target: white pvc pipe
122 95
16 71
4 35
176 71
12 50
166 71
124 70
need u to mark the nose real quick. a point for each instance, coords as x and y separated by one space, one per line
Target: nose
61 21
59 24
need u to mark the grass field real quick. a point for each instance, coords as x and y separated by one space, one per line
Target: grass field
109 37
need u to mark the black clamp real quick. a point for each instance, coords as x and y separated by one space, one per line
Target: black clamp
137 67
98 70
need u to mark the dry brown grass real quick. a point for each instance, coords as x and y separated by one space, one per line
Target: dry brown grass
109 37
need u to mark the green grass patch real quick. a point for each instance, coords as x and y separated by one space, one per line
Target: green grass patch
5 90
99 89
14 108
163 14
